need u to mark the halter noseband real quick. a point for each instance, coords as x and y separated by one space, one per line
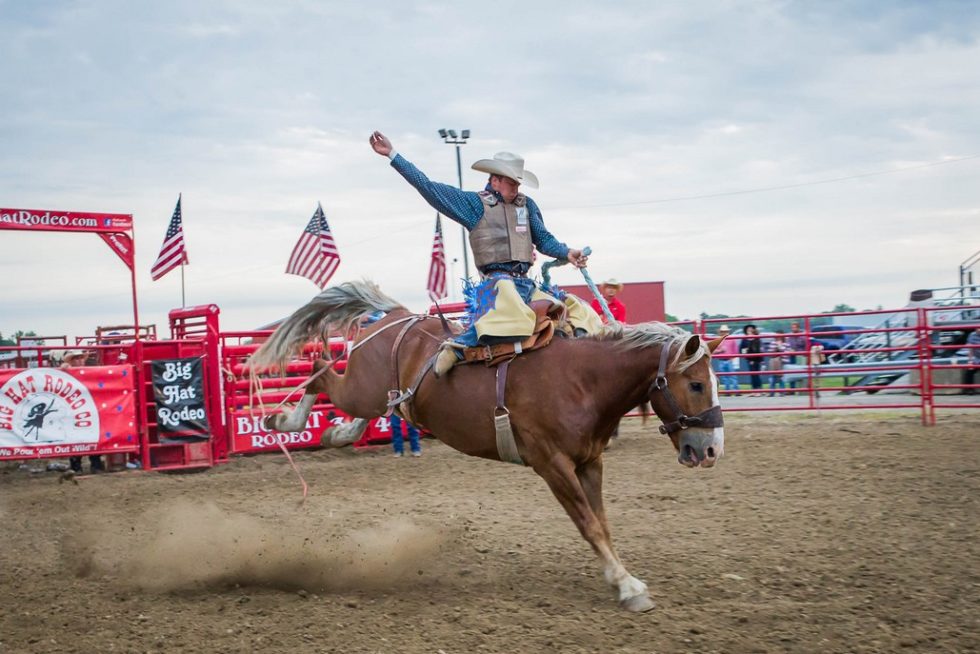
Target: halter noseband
710 418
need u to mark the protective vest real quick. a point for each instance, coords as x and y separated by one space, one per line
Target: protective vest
504 232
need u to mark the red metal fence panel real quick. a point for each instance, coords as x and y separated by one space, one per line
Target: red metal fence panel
918 358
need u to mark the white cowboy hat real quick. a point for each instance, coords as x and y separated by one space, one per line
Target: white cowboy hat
507 164
612 281
724 328
71 354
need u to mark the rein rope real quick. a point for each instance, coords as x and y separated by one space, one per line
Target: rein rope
255 386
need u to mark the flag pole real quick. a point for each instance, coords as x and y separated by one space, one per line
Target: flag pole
183 297
321 261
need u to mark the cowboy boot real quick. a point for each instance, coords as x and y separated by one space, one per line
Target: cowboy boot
449 354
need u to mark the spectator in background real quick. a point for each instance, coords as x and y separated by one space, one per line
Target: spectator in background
74 359
609 290
398 436
774 364
115 355
723 359
797 344
973 356
747 347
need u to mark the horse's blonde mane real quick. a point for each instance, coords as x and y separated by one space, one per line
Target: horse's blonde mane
653 334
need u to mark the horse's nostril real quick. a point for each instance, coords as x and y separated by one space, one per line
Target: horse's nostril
710 453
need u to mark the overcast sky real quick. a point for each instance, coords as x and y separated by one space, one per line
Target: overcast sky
646 122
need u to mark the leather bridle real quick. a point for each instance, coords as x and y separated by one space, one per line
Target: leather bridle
709 418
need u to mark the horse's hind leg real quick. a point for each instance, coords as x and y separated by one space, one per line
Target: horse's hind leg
292 420
345 434
632 592
337 436
564 481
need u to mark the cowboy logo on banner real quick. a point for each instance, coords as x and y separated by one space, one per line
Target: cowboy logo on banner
46 412
178 390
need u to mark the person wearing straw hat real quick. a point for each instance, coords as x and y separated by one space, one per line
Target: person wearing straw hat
505 226
73 358
609 290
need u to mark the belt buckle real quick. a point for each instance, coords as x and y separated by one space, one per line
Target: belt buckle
487 354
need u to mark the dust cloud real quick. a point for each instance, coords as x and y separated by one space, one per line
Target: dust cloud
200 546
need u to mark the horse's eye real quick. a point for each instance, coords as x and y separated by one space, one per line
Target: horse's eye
697 387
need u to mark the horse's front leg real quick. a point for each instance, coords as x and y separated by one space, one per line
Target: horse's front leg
632 592
564 481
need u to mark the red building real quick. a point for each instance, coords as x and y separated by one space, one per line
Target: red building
644 300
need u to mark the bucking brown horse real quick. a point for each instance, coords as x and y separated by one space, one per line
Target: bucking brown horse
564 400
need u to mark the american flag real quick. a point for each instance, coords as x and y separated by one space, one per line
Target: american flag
437 268
173 253
315 255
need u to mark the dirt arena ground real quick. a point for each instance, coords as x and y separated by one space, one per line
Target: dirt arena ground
816 533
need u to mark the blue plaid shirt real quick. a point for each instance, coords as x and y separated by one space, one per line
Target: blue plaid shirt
466 207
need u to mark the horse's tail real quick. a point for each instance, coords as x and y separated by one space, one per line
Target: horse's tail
336 307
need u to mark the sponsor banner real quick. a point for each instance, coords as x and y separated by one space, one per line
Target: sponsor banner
178 391
249 435
122 245
48 220
48 412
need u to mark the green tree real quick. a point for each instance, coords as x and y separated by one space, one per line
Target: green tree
20 333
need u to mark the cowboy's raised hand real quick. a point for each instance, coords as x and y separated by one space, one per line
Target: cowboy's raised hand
380 144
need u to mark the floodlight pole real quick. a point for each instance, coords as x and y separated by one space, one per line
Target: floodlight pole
450 137
966 274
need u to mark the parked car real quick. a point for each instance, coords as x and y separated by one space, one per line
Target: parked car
830 336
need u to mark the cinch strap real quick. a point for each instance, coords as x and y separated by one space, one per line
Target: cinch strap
506 444
394 393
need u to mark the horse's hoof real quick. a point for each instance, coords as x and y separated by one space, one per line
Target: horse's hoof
638 604
269 422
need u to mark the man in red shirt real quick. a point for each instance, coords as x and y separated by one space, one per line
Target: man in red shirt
610 289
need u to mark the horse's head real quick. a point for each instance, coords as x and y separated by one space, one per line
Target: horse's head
684 395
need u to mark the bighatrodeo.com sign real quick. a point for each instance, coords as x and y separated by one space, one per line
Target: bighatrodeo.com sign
45 412
64 221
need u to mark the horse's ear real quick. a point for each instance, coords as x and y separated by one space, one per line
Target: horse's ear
693 345
715 342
